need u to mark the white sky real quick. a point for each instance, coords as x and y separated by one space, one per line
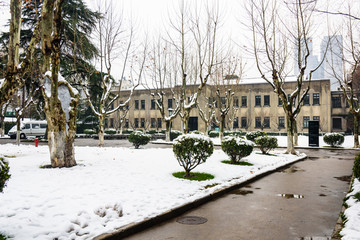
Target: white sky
153 16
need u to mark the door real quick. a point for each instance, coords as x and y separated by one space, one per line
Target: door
193 123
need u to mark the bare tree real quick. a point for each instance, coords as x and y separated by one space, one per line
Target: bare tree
195 39
207 114
224 106
121 118
272 37
115 41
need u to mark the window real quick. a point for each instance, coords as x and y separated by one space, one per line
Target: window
236 123
316 98
159 122
306 121
243 122
257 101
243 101
236 102
126 123
170 103
316 118
279 102
281 122
111 122
35 125
142 122
267 100
153 104
336 102
223 101
337 123
153 123
142 104
43 125
136 122
136 104
266 122
257 122
306 100
27 126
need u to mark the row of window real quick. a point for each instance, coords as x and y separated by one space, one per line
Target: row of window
141 104
265 123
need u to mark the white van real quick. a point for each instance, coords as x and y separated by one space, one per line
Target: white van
32 128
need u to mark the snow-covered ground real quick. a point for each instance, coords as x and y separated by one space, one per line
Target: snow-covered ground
351 231
88 199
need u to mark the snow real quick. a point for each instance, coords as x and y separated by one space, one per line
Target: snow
2 80
352 226
47 84
87 200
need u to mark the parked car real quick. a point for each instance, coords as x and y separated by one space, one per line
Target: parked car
33 128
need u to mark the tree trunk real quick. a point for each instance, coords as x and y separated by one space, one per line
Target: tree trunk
356 131
296 135
222 126
290 135
2 126
121 129
167 131
18 130
101 130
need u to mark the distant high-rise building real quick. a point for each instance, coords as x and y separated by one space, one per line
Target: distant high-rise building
332 66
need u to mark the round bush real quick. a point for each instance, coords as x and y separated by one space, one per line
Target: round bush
266 144
333 139
213 134
89 131
252 135
197 132
356 167
110 131
191 150
138 138
236 147
4 173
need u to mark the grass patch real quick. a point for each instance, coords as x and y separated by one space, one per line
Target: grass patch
357 196
267 154
241 163
211 185
46 166
10 156
195 176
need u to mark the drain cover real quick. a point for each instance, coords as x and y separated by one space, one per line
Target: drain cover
191 220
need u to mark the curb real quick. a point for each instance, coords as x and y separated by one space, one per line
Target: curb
133 228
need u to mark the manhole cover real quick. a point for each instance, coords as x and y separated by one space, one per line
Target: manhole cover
191 220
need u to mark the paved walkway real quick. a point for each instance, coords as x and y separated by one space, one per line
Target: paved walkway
300 202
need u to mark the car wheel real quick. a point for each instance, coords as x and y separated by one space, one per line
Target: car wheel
22 136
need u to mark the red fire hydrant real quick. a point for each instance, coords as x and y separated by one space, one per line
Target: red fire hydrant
36 142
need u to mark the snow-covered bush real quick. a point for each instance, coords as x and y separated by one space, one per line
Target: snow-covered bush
191 150
266 144
252 135
110 131
174 134
236 147
89 131
356 167
197 132
233 133
333 139
138 138
213 134
4 173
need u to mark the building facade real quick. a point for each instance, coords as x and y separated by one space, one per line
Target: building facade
255 106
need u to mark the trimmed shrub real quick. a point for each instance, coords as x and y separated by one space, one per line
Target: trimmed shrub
152 131
174 134
139 138
110 131
252 135
213 134
334 139
236 147
356 167
266 144
4 173
233 133
128 131
197 132
191 150
89 131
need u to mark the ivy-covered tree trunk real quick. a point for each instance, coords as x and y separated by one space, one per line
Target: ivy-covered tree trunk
101 130
356 130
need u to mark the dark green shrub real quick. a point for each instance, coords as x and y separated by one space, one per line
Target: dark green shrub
197 132
89 131
174 134
266 144
333 139
110 131
191 150
128 131
139 138
356 167
252 135
4 173
213 134
152 131
236 147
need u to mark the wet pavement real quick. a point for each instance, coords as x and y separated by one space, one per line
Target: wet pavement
302 201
